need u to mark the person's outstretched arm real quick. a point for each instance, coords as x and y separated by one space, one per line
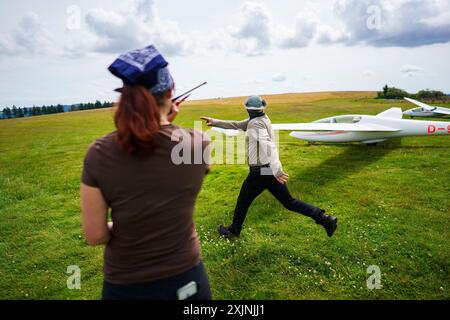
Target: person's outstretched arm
237 125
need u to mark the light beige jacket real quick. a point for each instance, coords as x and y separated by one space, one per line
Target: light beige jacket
260 141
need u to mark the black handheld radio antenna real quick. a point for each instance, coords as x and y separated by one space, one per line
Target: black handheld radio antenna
188 92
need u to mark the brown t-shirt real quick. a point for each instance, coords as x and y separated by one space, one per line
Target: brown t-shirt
152 204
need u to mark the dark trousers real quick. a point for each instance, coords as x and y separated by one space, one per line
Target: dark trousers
164 289
254 185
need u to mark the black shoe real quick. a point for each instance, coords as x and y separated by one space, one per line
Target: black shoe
225 232
329 223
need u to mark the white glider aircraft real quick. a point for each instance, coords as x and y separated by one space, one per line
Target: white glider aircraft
425 110
359 128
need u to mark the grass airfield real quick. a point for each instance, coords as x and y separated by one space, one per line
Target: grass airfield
392 202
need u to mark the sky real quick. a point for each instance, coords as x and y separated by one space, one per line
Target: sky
59 51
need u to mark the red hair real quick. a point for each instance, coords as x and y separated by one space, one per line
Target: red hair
137 121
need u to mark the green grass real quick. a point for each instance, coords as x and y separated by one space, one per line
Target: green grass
392 202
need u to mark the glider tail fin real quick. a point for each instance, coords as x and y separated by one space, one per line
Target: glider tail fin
394 113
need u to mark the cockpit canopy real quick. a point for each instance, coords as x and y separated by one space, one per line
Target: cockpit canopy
423 109
340 119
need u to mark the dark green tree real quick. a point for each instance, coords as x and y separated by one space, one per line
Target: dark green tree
7 112
430 94
385 90
392 93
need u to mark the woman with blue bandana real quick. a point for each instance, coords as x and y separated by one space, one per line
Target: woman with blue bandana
152 250
266 171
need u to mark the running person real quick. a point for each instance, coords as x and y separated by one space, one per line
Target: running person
266 172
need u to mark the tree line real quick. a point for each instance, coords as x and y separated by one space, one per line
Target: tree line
426 95
15 112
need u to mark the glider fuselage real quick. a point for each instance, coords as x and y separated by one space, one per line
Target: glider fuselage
425 113
405 128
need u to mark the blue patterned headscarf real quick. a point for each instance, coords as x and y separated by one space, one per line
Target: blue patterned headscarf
145 67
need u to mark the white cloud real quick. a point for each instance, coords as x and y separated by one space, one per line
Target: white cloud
410 70
398 23
145 9
402 23
280 77
376 23
367 73
30 36
304 30
328 35
108 31
115 31
254 34
257 32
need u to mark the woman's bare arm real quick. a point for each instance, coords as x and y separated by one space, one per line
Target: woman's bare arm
94 209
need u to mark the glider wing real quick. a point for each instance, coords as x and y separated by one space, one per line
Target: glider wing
421 104
443 111
351 127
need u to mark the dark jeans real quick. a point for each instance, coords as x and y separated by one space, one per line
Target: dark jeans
164 289
254 185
